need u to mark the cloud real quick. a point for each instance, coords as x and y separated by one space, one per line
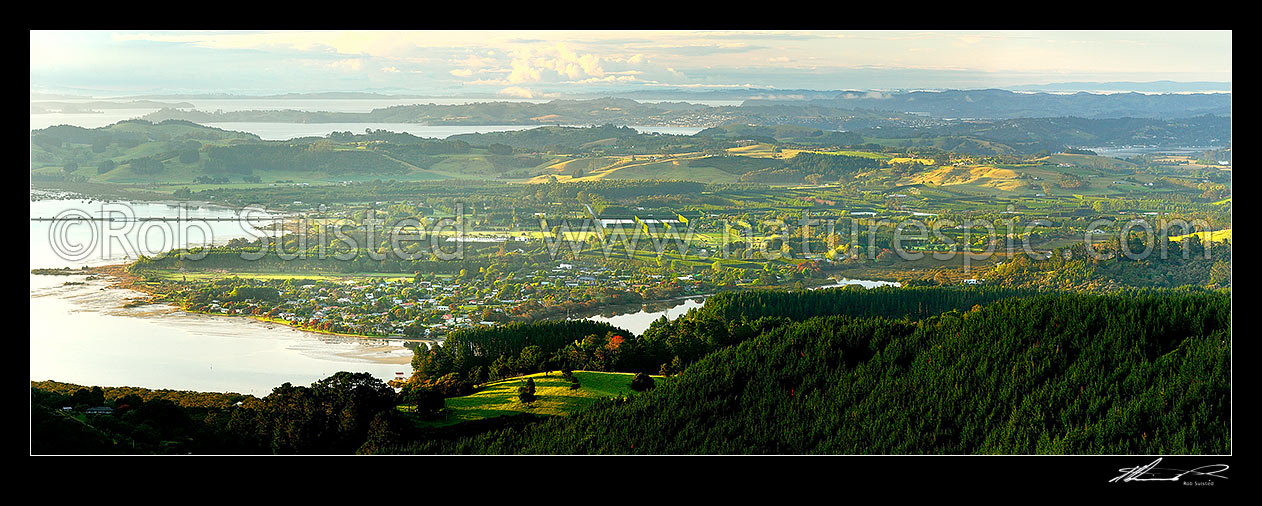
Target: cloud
523 72
347 65
606 79
870 94
517 91
538 60
534 64
475 62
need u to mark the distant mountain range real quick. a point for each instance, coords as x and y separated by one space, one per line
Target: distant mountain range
669 93
1003 104
1130 87
844 111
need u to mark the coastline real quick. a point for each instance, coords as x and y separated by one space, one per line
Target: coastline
161 346
118 277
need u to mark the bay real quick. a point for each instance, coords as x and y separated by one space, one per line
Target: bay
82 333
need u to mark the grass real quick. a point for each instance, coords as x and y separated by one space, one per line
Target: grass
1213 236
982 176
757 150
552 393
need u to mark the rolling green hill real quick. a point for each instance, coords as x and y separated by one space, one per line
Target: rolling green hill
553 393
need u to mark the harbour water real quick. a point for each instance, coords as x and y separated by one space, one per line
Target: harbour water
82 333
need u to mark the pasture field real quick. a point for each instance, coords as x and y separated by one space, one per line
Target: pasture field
552 393
1208 236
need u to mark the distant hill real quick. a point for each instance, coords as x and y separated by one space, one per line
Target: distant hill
1031 135
1130 86
1002 104
783 133
556 112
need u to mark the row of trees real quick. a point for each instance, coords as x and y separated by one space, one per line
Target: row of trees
491 353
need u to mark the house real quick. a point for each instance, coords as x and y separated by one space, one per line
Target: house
100 410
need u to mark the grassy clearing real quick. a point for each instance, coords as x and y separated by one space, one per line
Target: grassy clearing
755 150
672 169
1211 236
981 176
552 393
1091 161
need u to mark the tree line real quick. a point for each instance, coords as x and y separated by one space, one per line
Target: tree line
1141 372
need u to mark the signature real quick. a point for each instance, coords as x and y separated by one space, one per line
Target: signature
1151 472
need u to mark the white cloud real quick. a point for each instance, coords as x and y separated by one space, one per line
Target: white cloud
537 64
606 79
348 64
870 94
517 91
537 59
497 82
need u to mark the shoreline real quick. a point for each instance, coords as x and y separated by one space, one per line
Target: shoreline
117 277
132 192
120 277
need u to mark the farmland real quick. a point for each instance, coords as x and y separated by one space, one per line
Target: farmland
554 396
601 217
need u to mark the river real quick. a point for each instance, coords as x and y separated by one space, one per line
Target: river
639 321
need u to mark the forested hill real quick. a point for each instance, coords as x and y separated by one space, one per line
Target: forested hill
1136 373
1030 135
1002 104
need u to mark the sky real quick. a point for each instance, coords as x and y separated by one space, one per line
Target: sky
536 64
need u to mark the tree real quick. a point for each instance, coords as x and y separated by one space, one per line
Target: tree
427 401
532 359
88 398
332 416
386 429
127 402
642 382
527 393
